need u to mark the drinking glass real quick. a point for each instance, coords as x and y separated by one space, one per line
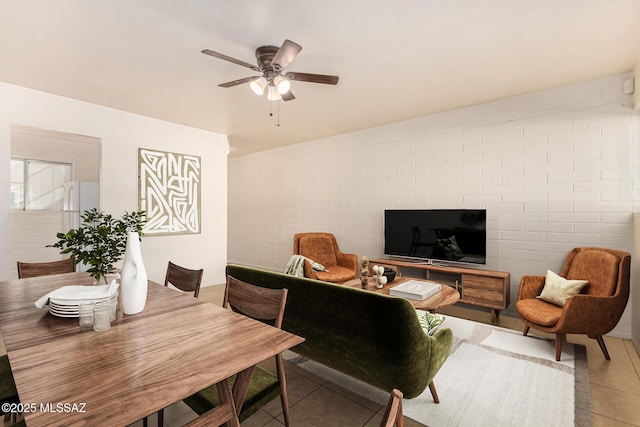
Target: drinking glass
101 317
85 314
113 305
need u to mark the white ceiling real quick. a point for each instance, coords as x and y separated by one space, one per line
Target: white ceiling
396 60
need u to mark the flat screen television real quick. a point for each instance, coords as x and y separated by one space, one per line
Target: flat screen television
449 235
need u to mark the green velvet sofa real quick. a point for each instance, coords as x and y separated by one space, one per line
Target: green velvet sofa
369 336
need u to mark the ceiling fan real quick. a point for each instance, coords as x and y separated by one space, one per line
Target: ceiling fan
272 61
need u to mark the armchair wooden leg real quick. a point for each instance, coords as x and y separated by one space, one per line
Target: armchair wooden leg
559 339
526 331
603 347
434 393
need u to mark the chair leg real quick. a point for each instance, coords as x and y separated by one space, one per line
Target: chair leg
434 393
161 418
559 339
603 347
526 331
145 423
400 416
284 396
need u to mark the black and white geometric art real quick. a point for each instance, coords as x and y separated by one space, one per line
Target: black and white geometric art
169 191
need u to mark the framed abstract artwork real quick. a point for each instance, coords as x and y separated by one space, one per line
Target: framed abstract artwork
169 191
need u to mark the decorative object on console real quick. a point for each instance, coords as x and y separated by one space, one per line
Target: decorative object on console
100 240
364 272
381 280
595 311
134 277
390 274
169 191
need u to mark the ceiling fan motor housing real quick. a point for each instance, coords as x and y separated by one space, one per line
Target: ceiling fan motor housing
264 55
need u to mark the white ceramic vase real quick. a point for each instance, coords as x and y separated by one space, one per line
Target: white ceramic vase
133 288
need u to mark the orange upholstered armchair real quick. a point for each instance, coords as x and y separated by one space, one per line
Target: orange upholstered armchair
323 248
594 311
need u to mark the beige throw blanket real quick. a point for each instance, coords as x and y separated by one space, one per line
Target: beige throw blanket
295 266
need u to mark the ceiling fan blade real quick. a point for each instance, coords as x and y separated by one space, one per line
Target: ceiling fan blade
313 78
288 96
230 59
285 54
239 81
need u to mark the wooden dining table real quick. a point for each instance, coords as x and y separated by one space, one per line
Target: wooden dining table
178 345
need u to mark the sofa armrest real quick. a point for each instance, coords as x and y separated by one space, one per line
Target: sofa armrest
530 287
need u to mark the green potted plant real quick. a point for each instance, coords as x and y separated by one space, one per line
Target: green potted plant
100 241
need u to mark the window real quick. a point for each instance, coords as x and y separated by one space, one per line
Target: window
37 184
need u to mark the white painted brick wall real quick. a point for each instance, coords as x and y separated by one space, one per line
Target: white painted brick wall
554 169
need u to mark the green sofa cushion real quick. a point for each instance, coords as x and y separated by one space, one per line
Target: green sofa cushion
263 388
372 337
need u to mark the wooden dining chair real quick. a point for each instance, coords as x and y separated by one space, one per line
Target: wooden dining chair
35 269
186 280
183 278
393 413
266 305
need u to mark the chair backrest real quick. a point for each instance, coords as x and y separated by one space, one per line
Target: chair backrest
393 413
264 304
607 270
318 246
35 269
183 278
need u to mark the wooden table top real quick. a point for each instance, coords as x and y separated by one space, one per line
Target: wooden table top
177 346
447 296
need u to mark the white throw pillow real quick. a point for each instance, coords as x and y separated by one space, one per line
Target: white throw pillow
557 290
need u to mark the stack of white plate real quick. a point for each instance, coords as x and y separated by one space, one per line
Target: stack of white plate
69 308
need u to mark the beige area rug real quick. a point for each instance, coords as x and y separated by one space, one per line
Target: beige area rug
493 377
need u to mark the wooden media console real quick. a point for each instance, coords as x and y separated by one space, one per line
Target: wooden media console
483 288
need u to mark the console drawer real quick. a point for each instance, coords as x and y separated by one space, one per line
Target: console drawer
491 284
482 297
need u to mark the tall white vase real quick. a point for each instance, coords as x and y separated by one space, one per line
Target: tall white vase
133 288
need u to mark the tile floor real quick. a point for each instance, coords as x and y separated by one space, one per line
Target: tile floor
615 387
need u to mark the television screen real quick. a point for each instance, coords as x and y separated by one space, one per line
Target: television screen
458 235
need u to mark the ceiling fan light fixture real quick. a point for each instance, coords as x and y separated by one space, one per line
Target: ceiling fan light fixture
282 84
258 85
272 94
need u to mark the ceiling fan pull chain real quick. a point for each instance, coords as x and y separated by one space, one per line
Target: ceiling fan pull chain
277 112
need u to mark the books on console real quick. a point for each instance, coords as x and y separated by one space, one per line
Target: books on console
416 289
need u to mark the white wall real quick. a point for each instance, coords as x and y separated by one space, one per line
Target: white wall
121 134
554 169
